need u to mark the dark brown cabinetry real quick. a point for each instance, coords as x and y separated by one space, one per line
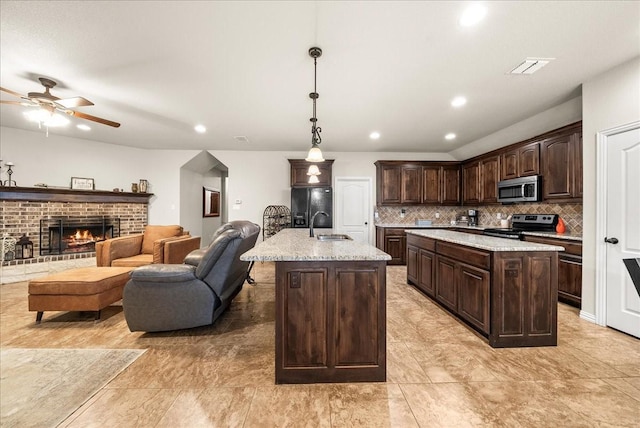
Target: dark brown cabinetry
300 167
569 268
480 180
561 160
417 183
471 183
489 177
411 184
393 242
330 322
510 297
520 161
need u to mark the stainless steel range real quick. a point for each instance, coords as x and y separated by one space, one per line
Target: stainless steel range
525 223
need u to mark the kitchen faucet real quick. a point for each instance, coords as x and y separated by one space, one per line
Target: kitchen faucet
313 218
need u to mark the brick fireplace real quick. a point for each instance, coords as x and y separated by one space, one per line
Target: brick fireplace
22 210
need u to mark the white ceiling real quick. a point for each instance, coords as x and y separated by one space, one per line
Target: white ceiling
242 68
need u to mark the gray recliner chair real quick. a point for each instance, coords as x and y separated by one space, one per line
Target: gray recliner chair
163 297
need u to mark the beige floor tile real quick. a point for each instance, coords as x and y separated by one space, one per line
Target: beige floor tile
289 406
211 407
402 367
628 385
126 408
448 405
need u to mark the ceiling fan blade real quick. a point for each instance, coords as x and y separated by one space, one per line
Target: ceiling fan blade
74 102
93 118
9 91
20 103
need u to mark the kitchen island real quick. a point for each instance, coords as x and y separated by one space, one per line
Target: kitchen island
507 290
330 308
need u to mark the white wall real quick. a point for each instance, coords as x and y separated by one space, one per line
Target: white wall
610 99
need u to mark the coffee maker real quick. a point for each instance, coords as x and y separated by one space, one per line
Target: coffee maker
473 217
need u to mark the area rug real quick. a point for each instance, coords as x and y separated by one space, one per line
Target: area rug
42 387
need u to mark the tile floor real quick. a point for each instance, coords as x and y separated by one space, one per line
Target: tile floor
439 372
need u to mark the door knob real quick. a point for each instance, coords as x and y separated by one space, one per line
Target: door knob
611 240
366 223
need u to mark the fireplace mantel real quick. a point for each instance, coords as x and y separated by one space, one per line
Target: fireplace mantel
47 194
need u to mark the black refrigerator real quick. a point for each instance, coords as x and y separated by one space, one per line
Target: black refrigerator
306 201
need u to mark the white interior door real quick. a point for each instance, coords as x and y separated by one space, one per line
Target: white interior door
353 207
622 229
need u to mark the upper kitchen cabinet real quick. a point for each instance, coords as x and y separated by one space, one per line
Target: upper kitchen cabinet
300 167
561 160
417 183
441 183
471 183
520 161
480 180
489 177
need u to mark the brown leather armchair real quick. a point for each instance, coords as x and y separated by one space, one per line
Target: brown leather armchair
158 244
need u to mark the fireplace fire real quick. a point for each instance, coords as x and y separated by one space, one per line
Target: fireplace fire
75 235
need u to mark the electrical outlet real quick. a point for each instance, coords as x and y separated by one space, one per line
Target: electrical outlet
402 213
499 216
437 215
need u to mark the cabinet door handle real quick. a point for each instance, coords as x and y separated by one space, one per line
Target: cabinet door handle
611 240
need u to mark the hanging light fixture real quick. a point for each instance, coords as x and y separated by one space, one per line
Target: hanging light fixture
315 155
313 179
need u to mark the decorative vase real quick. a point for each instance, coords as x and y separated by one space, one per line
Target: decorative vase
144 185
134 187
560 227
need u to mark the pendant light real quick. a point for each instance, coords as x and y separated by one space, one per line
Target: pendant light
315 155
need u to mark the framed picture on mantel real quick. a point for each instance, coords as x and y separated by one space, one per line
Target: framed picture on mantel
210 202
79 183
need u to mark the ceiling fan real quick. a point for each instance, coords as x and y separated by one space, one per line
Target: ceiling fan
48 102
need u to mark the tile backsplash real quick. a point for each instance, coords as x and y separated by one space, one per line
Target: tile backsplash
570 213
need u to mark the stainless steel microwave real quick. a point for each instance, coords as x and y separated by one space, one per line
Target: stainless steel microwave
523 189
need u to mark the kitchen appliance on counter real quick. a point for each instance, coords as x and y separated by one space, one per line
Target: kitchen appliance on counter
523 189
525 223
306 201
473 217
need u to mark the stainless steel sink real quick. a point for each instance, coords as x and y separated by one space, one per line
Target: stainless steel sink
333 237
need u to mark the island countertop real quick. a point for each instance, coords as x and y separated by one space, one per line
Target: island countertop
483 242
296 245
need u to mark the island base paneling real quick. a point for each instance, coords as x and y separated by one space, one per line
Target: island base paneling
330 322
510 297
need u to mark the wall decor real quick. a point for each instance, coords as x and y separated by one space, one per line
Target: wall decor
210 202
79 183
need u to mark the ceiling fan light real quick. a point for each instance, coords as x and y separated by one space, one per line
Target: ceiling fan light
47 118
315 155
313 179
313 170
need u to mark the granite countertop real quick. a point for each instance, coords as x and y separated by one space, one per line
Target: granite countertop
293 245
567 236
483 242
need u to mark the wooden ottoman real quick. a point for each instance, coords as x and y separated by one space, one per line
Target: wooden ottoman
81 289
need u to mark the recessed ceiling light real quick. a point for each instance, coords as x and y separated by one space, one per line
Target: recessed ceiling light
472 15
374 135
83 127
450 136
458 101
200 129
241 139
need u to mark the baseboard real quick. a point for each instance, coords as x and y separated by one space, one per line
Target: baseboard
588 317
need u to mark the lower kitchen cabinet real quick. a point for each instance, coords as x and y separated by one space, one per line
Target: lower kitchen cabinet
393 242
569 268
510 297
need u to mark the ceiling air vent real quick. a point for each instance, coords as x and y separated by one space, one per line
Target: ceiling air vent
241 139
531 65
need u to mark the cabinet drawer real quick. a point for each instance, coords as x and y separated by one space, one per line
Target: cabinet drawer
570 247
394 232
421 242
468 255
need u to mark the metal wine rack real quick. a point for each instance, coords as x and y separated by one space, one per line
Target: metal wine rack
275 218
